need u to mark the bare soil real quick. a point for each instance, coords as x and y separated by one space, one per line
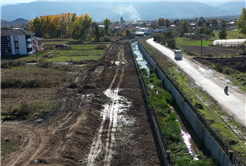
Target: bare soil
85 113
211 51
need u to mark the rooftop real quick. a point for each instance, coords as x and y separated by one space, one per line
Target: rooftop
15 32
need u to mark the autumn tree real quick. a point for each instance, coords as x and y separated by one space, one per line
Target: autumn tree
81 26
241 24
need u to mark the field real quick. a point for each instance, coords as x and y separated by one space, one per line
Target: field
76 51
193 47
54 112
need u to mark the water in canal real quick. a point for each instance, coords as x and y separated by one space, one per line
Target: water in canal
191 146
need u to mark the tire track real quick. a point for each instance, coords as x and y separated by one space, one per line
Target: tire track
110 113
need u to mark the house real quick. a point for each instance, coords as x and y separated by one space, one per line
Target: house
17 42
39 43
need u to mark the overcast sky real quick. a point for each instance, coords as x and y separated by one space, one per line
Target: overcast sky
212 2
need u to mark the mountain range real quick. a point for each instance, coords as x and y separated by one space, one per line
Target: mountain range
138 10
17 22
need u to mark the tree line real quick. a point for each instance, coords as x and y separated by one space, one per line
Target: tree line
68 25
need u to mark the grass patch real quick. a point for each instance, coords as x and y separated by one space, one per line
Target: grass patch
199 98
33 77
51 54
185 41
170 127
231 35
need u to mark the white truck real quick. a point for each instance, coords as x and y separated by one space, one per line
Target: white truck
178 54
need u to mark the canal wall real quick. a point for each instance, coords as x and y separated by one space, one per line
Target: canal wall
213 143
163 153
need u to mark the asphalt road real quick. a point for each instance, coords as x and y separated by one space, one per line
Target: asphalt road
213 83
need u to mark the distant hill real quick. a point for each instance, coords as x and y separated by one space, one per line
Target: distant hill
236 6
114 10
17 22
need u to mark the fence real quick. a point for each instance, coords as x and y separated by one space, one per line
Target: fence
212 141
163 153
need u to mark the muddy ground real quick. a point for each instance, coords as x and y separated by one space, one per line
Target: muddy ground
99 120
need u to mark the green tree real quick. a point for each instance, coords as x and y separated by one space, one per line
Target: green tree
241 24
222 34
35 26
171 43
161 22
106 23
81 26
128 32
167 23
215 23
185 27
201 22
97 31
223 24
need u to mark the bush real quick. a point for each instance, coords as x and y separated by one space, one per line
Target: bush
171 43
44 64
100 47
9 64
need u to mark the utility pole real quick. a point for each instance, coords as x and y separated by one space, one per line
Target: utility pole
201 49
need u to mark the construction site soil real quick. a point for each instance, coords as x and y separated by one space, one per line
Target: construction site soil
99 119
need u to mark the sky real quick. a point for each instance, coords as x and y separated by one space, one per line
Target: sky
209 2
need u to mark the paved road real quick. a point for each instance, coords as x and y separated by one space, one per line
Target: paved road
212 83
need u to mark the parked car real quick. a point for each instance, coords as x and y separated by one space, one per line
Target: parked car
61 46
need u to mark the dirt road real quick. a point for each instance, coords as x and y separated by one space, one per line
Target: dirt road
102 122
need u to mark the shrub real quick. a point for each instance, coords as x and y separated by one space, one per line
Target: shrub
9 64
171 43
100 47
44 64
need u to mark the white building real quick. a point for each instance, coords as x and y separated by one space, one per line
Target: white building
228 42
145 30
17 42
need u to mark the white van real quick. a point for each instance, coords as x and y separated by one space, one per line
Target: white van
178 54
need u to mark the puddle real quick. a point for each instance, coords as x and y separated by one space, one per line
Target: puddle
189 143
140 59
204 70
209 71
235 87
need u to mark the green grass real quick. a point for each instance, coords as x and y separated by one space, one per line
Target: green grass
169 125
231 35
77 53
83 47
53 42
8 145
184 41
72 58
196 96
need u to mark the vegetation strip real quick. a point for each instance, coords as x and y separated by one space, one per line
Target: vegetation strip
161 101
203 104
